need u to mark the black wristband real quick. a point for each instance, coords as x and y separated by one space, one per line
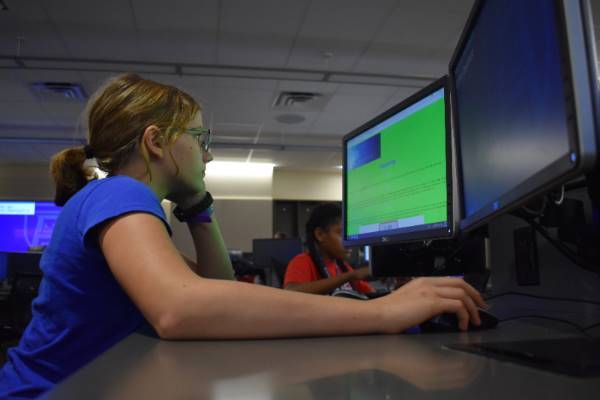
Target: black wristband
184 215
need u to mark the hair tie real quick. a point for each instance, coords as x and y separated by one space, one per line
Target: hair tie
88 152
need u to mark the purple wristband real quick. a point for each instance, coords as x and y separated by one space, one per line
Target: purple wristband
202 218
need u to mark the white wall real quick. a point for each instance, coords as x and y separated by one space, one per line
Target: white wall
240 222
25 182
307 185
231 187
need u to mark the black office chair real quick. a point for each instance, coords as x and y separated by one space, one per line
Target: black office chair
24 277
279 267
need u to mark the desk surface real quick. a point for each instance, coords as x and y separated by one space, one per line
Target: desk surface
361 367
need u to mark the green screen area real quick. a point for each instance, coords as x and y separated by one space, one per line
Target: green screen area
406 185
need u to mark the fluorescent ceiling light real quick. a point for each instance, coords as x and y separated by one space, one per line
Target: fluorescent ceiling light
238 169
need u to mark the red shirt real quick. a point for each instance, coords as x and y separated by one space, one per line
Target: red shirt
302 269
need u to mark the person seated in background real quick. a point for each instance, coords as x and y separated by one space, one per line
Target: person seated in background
322 269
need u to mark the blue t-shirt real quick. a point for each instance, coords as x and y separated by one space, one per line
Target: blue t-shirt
81 310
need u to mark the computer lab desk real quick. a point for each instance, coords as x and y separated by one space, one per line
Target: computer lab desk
417 366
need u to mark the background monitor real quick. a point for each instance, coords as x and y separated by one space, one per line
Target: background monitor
523 98
275 254
26 224
267 251
397 173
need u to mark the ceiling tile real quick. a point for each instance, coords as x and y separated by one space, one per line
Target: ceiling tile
174 46
412 39
180 16
272 125
241 105
335 33
28 20
251 36
245 83
177 31
95 29
13 88
346 112
367 90
299 86
397 97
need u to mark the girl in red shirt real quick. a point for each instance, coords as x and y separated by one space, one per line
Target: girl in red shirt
322 269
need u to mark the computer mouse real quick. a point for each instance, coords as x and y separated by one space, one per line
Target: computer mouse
448 322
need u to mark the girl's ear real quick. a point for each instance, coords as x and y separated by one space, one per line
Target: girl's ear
152 142
319 235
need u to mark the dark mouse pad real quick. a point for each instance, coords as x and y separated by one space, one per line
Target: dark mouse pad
570 356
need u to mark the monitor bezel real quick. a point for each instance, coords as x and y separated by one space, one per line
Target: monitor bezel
582 136
413 236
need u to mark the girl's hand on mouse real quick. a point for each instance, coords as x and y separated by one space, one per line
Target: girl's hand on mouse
423 298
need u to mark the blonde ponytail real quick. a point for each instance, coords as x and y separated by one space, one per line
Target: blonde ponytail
68 173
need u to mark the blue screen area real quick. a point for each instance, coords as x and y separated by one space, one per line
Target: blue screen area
510 99
26 224
365 152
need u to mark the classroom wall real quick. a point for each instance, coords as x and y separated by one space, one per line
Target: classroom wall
240 188
25 181
240 222
307 185
244 206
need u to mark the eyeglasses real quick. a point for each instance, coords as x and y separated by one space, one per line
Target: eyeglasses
202 135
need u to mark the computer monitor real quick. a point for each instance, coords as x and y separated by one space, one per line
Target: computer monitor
26 225
524 89
397 173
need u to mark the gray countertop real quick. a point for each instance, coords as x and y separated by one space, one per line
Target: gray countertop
360 367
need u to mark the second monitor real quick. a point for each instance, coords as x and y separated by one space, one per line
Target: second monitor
398 173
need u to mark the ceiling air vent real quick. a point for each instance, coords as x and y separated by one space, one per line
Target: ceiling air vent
291 99
300 101
58 91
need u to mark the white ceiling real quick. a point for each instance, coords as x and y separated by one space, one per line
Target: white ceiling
398 44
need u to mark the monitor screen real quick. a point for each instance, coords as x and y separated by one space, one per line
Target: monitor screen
397 173
26 224
513 106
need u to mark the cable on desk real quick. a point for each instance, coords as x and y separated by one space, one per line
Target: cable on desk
537 296
560 246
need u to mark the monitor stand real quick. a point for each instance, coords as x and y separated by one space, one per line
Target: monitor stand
435 258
